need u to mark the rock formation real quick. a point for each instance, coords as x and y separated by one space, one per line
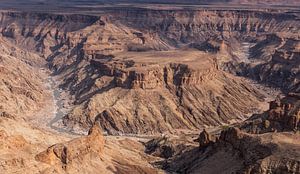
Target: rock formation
139 90
63 154
204 139
21 86
283 115
91 56
236 151
167 147
275 61
141 71
92 154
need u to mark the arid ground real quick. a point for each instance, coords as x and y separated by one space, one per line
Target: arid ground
150 87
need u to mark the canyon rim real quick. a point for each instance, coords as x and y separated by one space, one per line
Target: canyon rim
148 86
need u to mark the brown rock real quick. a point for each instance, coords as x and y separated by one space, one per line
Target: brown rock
204 139
231 135
161 147
142 96
283 115
64 153
239 152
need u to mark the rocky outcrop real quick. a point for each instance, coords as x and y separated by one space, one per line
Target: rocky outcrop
139 95
238 152
286 114
160 147
21 89
283 115
89 54
204 139
132 75
76 149
275 61
24 149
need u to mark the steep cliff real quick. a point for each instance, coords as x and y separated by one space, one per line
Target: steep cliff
283 115
142 71
280 66
239 152
21 88
136 94
130 94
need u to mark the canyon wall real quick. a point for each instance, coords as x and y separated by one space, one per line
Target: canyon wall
93 56
21 89
281 62
240 152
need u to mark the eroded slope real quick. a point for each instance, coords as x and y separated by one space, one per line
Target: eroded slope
145 72
72 45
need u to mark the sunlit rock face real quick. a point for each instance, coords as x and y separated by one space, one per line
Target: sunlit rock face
102 52
167 72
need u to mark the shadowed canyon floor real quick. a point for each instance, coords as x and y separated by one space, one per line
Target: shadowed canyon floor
121 89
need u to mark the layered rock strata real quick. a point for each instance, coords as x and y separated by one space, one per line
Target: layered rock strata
138 95
72 45
239 152
65 154
283 115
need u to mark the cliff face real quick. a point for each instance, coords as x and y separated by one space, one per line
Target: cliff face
135 74
184 26
283 115
139 95
64 157
130 94
142 29
145 72
21 90
238 152
275 61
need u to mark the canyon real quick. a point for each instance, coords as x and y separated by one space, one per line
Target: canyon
120 89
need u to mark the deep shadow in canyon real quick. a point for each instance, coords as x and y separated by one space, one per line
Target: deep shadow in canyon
151 80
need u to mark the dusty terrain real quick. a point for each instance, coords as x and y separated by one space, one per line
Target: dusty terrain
153 97
27 110
118 89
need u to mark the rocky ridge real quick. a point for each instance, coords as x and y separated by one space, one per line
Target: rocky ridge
237 151
71 44
275 60
109 66
19 93
143 89
64 154
283 115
